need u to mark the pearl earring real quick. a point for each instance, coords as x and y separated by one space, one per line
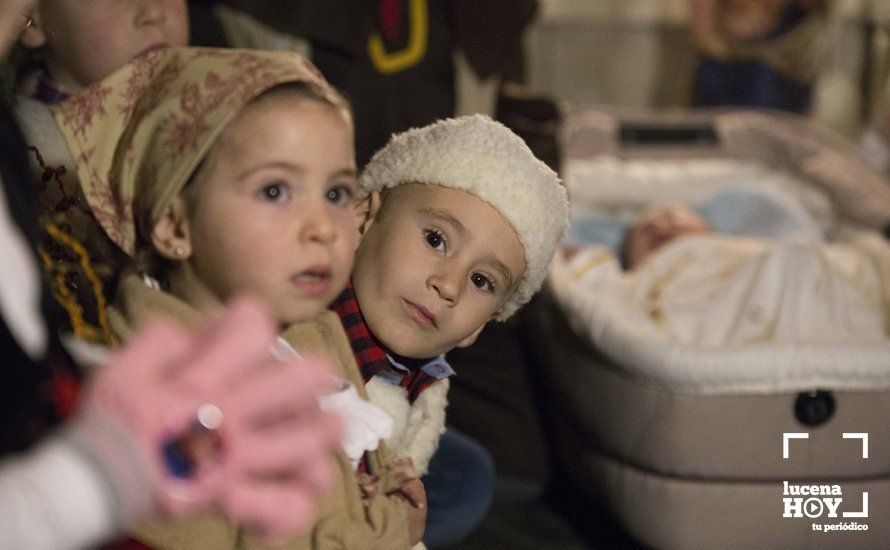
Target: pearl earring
179 251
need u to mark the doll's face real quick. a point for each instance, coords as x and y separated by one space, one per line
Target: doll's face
433 268
270 212
83 41
659 225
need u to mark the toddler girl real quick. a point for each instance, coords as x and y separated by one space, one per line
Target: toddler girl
224 172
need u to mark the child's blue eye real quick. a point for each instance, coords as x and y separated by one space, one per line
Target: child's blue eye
274 192
341 195
435 239
482 282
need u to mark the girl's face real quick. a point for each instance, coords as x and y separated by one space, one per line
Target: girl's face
269 213
84 41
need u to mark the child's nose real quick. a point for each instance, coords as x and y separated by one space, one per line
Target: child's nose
151 12
447 282
319 226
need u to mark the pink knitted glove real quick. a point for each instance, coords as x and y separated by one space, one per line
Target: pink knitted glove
266 454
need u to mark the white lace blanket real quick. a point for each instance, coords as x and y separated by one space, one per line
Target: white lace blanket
718 314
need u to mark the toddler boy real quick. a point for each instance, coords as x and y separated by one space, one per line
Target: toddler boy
462 223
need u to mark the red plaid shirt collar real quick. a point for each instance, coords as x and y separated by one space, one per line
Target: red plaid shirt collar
372 357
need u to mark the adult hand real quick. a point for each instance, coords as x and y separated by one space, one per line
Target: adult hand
269 444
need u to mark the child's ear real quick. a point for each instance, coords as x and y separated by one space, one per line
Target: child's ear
33 35
469 340
170 236
366 210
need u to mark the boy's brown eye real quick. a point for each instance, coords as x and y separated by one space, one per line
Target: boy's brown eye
482 282
434 239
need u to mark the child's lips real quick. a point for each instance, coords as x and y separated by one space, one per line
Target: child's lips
313 281
421 314
153 47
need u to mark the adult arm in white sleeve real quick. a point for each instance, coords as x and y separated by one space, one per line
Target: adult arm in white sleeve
52 497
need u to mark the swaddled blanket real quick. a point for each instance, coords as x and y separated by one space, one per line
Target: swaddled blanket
720 314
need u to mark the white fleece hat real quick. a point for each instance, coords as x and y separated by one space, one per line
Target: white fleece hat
483 157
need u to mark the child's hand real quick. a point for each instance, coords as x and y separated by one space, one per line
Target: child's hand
416 510
370 485
411 489
410 486
414 492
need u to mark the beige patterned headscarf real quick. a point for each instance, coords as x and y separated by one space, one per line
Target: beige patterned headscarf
139 134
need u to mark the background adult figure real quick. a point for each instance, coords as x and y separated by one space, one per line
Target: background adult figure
758 53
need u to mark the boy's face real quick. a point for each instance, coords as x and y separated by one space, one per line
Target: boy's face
86 40
269 213
434 267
